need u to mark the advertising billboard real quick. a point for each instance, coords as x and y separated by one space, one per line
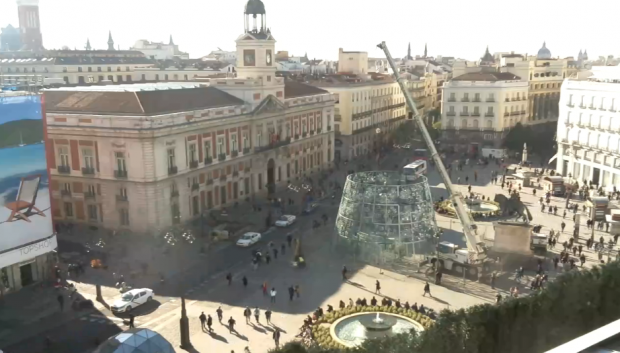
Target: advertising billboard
26 229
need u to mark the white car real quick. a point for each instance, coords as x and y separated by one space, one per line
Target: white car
285 221
132 299
248 239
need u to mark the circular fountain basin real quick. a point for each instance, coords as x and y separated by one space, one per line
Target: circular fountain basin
354 329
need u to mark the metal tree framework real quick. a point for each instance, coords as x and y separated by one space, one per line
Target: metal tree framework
384 219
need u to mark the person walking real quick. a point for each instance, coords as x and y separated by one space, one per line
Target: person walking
289 240
257 315
132 317
283 249
377 287
291 293
273 295
344 273
231 325
247 313
220 314
427 290
203 320
267 258
275 253
61 301
276 337
229 278
268 316
209 323
493 276
562 226
245 282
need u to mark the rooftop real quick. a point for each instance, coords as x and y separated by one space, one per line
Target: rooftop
487 76
344 79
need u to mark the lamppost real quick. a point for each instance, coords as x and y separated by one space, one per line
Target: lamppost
378 144
184 326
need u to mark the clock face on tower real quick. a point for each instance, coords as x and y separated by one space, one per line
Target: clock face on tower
268 57
249 57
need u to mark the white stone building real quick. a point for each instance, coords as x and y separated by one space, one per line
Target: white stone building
588 130
479 108
147 156
159 50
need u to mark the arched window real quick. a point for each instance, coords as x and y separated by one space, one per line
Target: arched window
451 123
475 124
489 124
464 123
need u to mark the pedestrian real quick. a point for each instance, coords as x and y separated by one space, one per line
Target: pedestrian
267 258
229 278
210 323
276 337
289 239
131 319
377 287
247 313
427 290
265 288
219 314
268 316
493 275
467 180
582 258
563 225
275 253
344 273
580 248
475 176
273 295
257 315
203 320
469 189
283 249
498 298
245 282
291 293
231 325
61 301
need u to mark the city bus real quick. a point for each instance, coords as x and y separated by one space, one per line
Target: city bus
420 154
413 170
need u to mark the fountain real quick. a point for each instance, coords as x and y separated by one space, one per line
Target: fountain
352 330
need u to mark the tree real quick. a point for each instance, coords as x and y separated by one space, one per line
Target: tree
434 115
540 140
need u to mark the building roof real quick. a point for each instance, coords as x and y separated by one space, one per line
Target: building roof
131 100
544 53
487 76
255 7
294 89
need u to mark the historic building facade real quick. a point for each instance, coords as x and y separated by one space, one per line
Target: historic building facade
588 130
146 156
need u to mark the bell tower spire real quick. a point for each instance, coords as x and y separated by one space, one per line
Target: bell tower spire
110 41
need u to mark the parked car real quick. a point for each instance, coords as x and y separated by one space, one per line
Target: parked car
285 221
311 207
132 299
248 239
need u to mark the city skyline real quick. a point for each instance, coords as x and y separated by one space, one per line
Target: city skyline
441 27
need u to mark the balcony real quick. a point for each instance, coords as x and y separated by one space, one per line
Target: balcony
234 153
89 195
235 174
329 128
523 112
464 99
173 170
489 115
120 174
475 114
193 164
88 171
296 136
451 114
223 177
304 134
506 114
121 199
319 130
571 105
514 99
209 181
337 117
174 193
246 150
311 132
272 145
221 157
490 100
507 100
195 187
476 100
451 99
208 160
592 107
464 114
65 193
64 169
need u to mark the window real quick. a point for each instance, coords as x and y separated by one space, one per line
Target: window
476 110
475 123
92 212
490 110
246 141
63 153
477 97
109 69
207 149
118 68
123 193
233 139
451 109
90 69
259 139
193 157
464 123
99 69
66 187
172 162
465 95
465 109
489 124
89 159
120 161
126 68
220 145
79 69
68 209
123 216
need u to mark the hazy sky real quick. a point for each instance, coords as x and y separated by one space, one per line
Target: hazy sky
319 27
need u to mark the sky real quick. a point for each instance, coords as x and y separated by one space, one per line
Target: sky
456 28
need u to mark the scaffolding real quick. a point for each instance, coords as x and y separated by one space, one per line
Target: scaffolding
385 220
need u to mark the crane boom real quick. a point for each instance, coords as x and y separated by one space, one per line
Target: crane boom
475 247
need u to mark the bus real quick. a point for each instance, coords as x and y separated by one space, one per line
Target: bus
413 170
420 154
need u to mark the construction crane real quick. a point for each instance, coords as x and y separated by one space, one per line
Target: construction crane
450 256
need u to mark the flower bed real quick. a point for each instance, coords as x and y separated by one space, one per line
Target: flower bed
321 327
445 207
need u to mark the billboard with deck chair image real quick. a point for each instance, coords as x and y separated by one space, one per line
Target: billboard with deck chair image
25 212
